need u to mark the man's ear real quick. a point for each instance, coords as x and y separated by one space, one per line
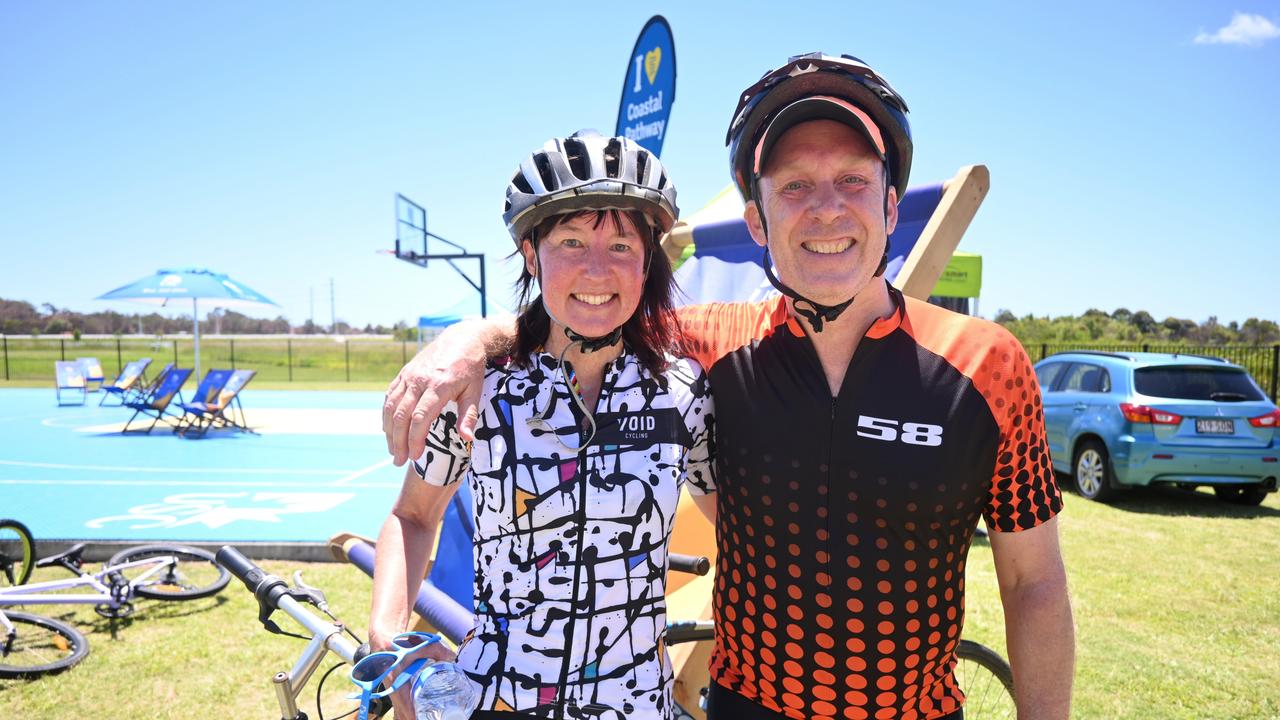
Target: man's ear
752 215
891 212
530 257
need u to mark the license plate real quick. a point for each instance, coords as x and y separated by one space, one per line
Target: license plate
1216 427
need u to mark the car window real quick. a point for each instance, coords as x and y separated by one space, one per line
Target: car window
1046 374
1196 383
1083 377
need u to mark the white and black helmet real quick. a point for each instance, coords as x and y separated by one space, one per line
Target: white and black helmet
588 171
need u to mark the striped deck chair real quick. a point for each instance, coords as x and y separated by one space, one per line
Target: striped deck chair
69 377
156 405
221 411
133 374
92 373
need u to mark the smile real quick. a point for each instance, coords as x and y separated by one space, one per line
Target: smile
828 247
593 299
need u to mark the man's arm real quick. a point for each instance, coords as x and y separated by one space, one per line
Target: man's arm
1039 629
451 368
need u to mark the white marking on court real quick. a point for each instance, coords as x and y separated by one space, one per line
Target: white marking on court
362 473
186 483
210 471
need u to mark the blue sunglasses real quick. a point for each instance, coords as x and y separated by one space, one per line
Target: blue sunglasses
372 670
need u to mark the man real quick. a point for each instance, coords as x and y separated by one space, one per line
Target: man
861 434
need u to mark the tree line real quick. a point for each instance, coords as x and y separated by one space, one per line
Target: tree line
1094 326
22 318
1124 326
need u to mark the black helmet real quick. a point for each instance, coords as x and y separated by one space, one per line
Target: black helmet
588 171
815 74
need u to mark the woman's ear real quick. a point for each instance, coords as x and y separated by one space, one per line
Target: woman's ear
530 257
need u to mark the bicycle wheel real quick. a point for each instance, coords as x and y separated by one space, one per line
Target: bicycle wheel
987 682
17 553
196 574
39 646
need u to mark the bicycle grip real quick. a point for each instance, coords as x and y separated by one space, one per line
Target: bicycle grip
242 567
693 564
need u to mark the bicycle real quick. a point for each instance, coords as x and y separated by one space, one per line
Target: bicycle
32 645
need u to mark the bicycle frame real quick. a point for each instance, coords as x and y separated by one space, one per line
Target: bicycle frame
41 593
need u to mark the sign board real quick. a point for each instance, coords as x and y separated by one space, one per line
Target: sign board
961 278
649 88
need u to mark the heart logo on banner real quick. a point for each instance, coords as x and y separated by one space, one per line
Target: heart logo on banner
652 60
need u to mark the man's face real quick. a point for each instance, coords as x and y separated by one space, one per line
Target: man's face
822 195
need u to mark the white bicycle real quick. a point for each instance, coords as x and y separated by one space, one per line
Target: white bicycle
33 645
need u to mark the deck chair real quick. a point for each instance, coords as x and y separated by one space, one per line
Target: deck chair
132 375
220 412
69 378
145 388
92 373
206 392
156 405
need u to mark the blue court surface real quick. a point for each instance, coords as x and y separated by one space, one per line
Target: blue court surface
317 466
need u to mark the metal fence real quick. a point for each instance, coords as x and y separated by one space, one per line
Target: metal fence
1262 361
296 359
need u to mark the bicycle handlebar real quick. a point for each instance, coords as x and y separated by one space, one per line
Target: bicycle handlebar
693 564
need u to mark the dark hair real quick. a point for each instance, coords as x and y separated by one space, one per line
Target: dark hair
652 330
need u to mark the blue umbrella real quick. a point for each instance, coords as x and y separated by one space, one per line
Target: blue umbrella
192 284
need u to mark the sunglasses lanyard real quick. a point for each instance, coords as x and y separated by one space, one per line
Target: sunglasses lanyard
575 393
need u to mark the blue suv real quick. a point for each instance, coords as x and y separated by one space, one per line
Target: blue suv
1118 420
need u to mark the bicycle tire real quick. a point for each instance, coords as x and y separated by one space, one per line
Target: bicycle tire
198 574
987 682
41 646
17 554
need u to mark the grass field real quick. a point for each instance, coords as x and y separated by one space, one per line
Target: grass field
1176 597
304 359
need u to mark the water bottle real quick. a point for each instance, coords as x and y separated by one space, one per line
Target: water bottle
443 692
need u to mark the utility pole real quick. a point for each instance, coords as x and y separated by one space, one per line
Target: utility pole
312 316
333 313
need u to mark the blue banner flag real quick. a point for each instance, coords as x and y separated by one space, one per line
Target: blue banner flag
649 88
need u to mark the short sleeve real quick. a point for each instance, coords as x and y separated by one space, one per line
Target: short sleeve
699 418
714 330
1024 491
446 457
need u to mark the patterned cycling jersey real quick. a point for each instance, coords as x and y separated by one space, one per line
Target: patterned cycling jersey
843 523
571 549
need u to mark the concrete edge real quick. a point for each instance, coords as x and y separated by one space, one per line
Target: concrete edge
102 550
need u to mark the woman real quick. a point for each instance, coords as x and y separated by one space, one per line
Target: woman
585 435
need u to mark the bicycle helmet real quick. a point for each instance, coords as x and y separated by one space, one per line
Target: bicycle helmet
844 79
588 171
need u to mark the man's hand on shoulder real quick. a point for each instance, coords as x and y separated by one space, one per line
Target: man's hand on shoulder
449 369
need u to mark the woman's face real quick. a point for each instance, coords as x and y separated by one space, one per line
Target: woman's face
592 272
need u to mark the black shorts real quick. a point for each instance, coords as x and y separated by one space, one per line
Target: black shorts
725 704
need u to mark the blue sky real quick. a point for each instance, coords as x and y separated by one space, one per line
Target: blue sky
1134 149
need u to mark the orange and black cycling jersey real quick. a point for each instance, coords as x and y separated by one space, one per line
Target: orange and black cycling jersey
843 523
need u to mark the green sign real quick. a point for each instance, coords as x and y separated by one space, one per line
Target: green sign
962 277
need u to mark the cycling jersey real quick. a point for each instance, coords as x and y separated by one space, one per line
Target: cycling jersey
571 549
843 523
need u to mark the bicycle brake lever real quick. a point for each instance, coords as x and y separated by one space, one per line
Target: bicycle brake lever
305 593
314 594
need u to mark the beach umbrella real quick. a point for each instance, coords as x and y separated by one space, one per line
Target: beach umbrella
194 284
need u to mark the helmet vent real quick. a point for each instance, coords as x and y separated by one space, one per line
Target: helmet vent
522 184
576 154
662 181
612 153
545 171
642 161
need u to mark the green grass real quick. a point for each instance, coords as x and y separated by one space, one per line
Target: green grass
307 359
1175 595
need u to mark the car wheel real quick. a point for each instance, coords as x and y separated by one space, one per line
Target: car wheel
1092 471
1240 494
